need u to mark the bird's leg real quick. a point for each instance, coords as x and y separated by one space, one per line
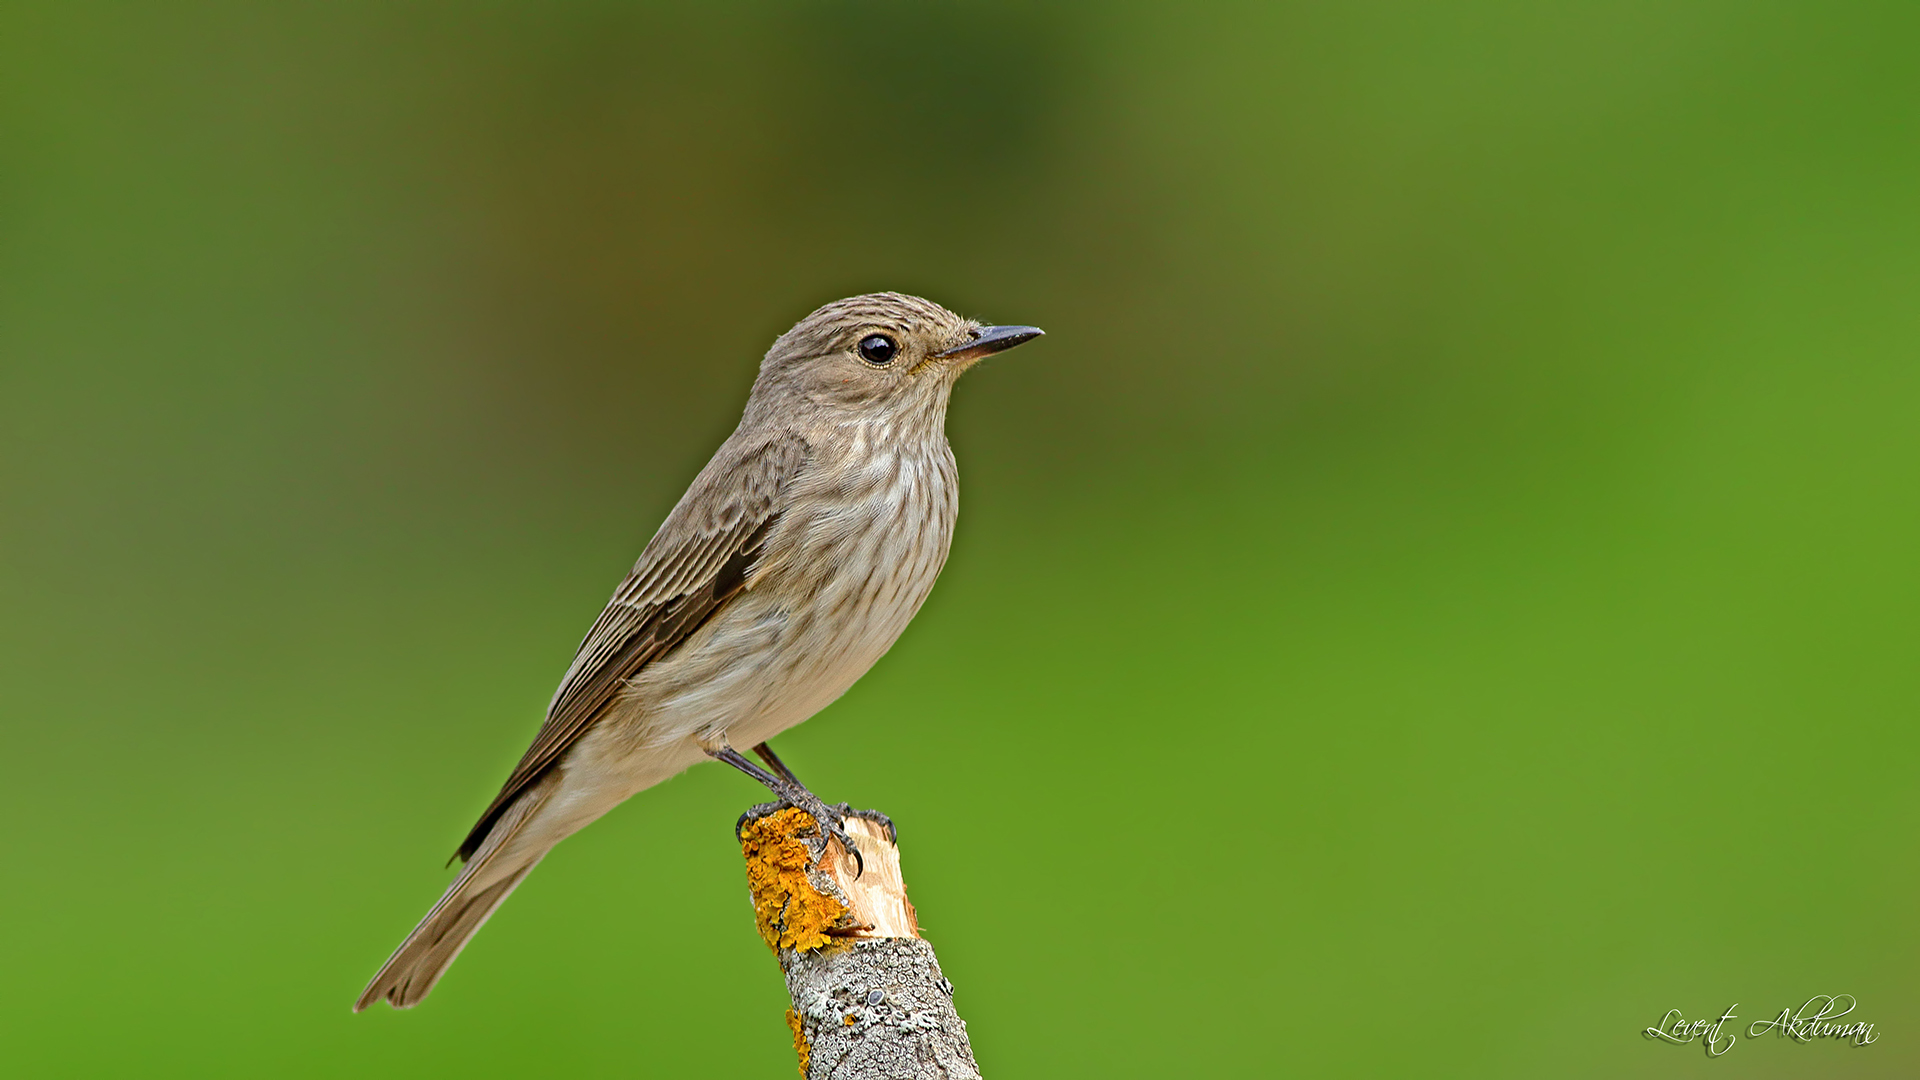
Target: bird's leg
831 819
765 751
773 761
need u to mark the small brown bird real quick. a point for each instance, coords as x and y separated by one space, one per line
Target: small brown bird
793 562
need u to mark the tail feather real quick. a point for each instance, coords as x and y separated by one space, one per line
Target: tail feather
493 872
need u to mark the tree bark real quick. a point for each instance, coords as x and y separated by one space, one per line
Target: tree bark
869 1002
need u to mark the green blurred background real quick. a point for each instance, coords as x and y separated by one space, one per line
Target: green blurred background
1443 593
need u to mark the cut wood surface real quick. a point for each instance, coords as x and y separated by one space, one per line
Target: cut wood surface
869 1001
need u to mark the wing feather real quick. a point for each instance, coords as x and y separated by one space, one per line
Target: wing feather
700 558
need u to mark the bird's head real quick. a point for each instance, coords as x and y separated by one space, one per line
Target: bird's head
885 354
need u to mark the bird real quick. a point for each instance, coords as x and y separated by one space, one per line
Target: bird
793 562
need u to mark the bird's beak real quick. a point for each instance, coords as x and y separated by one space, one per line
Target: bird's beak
988 340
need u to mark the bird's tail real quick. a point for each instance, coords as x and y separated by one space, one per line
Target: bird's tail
495 870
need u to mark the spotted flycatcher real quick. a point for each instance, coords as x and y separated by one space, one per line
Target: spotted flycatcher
792 563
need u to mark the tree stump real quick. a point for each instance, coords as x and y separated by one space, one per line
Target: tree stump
869 1001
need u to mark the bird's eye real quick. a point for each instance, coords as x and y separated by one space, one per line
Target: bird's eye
878 349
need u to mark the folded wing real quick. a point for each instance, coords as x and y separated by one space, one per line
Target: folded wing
702 557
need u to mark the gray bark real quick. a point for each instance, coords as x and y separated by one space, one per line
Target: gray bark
879 1011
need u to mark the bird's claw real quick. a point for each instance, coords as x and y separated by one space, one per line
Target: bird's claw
833 821
755 813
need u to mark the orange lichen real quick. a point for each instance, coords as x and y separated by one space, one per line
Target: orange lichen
800 1044
789 912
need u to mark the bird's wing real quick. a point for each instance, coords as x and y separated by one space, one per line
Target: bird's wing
699 559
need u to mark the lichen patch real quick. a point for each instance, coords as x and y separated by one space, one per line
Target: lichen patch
801 1046
788 910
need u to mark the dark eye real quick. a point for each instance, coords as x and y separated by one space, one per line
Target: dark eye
878 349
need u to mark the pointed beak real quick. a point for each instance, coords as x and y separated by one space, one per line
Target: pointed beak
989 340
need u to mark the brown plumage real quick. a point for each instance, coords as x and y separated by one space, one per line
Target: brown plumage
793 562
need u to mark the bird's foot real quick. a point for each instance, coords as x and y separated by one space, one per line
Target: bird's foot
833 825
830 819
782 782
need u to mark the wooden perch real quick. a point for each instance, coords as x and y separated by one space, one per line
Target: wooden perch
869 1002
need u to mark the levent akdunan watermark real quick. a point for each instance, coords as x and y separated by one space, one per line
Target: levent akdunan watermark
1819 1018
